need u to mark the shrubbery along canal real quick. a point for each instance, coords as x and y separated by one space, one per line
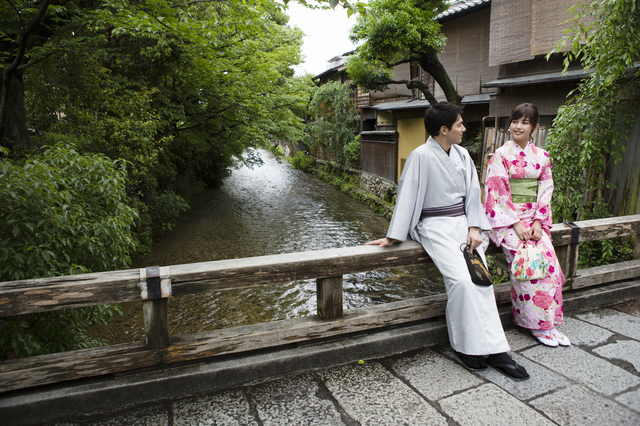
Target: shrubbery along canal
270 209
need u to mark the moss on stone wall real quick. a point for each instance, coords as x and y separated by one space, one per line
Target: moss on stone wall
348 183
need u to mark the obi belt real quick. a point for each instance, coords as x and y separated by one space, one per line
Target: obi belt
524 190
447 211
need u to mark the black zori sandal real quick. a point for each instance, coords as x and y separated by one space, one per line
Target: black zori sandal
473 362
504 364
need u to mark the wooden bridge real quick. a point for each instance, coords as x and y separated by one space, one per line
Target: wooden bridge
326 266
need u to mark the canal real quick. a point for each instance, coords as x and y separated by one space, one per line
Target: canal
266 210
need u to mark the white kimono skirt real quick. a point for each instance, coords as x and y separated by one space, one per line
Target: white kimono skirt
432 179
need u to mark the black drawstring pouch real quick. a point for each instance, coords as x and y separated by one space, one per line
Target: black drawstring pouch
479 273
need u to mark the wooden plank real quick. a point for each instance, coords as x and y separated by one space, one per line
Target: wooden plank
47 294
607 274
253 271
247 338
45 369
597 229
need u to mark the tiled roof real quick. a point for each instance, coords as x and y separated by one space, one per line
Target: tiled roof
460 6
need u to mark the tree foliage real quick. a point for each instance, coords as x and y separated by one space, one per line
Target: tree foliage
400 32
589 131
62 213
176 91
335 120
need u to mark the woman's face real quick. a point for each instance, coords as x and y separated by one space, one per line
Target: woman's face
521 130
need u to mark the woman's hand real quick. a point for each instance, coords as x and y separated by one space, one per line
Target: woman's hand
382 242
536 230
522 231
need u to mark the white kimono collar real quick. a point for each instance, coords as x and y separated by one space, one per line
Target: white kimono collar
456 175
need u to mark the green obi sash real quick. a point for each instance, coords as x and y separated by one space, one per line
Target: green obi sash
524 190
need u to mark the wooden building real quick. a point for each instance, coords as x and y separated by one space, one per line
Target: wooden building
496 56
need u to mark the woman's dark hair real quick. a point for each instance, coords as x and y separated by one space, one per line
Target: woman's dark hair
441 114
526 110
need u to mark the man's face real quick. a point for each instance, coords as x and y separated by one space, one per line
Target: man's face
454 136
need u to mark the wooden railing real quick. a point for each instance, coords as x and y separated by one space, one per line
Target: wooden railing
326 266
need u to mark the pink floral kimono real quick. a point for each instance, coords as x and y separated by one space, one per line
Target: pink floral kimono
537 304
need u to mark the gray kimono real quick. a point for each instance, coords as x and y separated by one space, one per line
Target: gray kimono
431 179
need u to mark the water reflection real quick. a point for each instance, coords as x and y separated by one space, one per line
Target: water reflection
262 211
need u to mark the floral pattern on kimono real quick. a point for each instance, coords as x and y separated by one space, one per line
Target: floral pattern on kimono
537 304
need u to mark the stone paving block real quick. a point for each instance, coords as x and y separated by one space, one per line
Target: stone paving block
541 380
148 416
225 408
583 333
577 405
625 350
490 405
519 339
619 322
433 375
578 365
372 395
293 401
630 399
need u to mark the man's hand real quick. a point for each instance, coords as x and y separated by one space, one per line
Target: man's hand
382 242
474 239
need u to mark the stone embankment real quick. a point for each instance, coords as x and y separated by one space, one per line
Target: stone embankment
373 191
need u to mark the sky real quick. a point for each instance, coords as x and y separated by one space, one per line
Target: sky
327 35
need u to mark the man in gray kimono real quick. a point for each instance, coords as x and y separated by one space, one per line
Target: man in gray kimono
438 205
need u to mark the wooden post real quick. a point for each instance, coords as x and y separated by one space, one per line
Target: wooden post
637 252
155 289
569 260
156 323
329 292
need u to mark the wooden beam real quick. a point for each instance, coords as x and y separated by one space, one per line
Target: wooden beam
607 273
45 369
47 294
75 291
59 367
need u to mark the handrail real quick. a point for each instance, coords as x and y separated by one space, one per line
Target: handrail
73 291
327 266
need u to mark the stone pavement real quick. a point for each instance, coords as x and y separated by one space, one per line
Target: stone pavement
594 382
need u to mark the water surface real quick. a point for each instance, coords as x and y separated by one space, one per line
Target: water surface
268 210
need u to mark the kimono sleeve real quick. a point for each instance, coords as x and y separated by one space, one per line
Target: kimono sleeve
498 206
401 221
473 204
545 191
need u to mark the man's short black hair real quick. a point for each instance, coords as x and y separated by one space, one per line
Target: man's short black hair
441 114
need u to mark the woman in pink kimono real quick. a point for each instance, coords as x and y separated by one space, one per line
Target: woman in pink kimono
517 203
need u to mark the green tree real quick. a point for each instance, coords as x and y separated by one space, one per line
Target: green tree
335 120
177 111
589 129
400 32
62 213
